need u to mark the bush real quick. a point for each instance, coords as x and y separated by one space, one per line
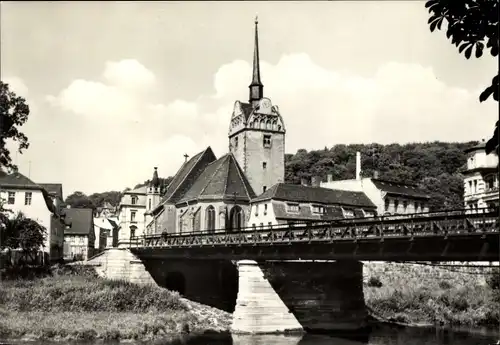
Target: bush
374 282
445 285
493 280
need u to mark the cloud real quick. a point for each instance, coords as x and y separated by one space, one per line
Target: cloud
17 85
125 133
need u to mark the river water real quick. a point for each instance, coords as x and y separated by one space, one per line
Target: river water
381 336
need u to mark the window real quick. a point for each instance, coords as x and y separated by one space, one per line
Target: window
417 205
396 205
264 165
387 203
349 213
318 209
405 205
235 142
256 210
132 231
132 216
210 216
475 186
134 200
27 198
12 198
292 207
264 189
149 203
267 141
265 209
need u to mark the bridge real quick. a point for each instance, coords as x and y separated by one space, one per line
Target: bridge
302 276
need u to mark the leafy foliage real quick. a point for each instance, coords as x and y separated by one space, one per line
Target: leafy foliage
472 26
21 232
435 167
164 182
79 200
13 114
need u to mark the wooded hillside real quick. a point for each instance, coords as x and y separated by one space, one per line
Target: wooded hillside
436 167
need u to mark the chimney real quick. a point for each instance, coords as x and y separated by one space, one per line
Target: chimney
329 177
315 181
375 174
358 165
303 181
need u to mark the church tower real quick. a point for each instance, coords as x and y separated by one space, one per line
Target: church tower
257 133
153 195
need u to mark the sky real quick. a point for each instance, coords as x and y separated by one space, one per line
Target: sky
116 89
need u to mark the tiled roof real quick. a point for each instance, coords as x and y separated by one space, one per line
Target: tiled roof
140 190
398 188
17 180
53 189
80 221
480 146
299 193
221 179
187 175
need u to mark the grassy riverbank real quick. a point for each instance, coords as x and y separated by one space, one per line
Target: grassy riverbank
75 304
417 294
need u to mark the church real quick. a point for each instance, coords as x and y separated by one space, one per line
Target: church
209 193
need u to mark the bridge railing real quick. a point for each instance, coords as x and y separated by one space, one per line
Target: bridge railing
444 222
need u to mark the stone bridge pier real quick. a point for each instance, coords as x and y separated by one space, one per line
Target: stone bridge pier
306 296
265 297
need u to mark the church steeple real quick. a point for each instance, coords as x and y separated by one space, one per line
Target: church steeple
256 87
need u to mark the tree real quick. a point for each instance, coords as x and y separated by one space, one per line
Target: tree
471 24
79 200
13 114
22 233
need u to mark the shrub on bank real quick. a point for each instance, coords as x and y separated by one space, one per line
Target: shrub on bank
419 294
73 291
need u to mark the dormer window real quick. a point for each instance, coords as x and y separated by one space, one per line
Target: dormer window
293 208
349 213
318 209
267 141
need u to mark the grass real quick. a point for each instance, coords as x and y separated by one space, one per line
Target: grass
74 304
416 294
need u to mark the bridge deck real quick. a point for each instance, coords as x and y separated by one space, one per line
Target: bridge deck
443 236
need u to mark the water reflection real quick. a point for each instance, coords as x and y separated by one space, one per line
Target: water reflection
382 335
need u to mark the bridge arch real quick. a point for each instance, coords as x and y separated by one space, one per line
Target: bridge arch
236 218
176 281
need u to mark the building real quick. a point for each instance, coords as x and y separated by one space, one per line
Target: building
20 194
105 211
208 193
104 228
79 237
481 178
287 203
390 197
135 210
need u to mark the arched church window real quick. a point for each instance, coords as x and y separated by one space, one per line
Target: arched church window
210 218
262 124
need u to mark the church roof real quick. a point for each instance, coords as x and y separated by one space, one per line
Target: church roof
307 194
247 109
221 179
187 175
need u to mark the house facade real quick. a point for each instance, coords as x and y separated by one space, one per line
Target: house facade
20 194
481 179
390 197
287 203
79 236
131 214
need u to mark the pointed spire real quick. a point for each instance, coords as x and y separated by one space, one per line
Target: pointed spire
256 87
155 181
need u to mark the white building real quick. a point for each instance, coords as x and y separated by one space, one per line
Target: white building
104 228
390 197
481 178
79 238
20 194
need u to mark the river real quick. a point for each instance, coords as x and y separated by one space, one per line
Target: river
381 336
